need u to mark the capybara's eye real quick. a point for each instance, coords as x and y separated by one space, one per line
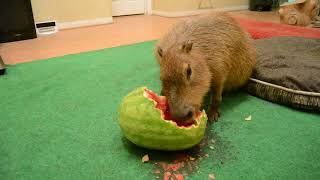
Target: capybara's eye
160 52
189 72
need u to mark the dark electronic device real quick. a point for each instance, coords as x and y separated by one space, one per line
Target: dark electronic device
16 21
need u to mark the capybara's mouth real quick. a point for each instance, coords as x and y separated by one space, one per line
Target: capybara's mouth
163 106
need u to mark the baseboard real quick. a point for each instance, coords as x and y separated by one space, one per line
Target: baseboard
197 12
83 23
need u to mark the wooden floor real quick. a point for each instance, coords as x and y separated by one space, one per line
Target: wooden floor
124 30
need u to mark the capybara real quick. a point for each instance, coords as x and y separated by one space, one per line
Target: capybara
202 54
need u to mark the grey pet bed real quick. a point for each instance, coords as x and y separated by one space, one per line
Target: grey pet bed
288 72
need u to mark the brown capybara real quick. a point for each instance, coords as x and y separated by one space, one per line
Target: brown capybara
202 53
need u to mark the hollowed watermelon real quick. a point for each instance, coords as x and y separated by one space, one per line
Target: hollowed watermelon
145 121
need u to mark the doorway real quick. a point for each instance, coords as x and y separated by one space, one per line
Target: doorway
130 7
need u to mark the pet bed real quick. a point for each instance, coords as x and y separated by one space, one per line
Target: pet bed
288 72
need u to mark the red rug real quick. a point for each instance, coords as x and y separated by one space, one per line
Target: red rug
259 30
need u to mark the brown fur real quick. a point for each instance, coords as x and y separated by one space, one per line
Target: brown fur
219 54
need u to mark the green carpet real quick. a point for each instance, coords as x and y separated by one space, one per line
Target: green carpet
58 120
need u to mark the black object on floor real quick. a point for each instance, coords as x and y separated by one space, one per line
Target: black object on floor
17 22
261 5
2 67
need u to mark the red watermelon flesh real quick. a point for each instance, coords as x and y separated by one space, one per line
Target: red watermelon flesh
161 103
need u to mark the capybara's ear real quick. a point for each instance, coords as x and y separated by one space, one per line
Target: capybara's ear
187 46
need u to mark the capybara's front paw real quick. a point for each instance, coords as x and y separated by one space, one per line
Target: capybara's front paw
214 115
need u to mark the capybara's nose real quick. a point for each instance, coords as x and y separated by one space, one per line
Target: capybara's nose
182 113
189 115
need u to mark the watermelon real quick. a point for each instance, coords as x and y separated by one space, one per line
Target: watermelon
145 121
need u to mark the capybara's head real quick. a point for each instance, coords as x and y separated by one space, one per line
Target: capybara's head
185 79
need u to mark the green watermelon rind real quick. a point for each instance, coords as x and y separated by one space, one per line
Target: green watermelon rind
141 123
